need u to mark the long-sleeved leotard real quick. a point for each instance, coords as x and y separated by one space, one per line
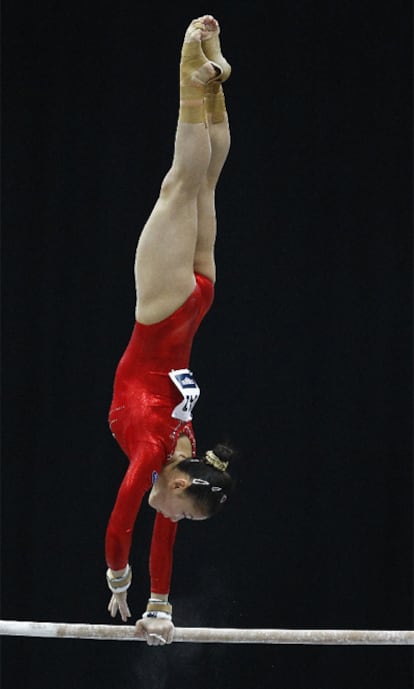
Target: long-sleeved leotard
141 420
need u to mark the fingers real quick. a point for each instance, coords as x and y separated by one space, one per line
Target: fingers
156 632
113 606
124 611
156 640
119 603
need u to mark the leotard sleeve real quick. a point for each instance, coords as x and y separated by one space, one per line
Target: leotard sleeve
120 528
136 482
161 556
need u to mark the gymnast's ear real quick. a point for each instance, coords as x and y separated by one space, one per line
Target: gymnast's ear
179 483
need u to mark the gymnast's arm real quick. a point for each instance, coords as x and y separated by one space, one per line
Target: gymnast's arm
136 482
156 624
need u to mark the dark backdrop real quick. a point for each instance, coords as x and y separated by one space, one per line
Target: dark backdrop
304 361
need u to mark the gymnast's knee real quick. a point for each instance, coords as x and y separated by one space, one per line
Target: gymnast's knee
180 182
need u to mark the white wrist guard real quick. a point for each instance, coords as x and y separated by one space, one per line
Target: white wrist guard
119 584
161 609
158 615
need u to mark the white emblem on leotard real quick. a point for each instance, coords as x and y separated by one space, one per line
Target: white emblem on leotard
183 379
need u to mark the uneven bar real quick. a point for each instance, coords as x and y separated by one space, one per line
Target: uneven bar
107 632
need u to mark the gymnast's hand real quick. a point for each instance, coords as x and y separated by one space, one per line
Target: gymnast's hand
119 603
155 631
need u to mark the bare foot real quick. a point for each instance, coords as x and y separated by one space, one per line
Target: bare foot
197 31
196 69
211 46
211 25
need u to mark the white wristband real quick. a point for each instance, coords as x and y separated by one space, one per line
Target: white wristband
157 614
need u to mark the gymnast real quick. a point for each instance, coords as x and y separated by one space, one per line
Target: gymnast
154 391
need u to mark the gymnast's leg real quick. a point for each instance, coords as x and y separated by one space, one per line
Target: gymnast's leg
219 132
164 266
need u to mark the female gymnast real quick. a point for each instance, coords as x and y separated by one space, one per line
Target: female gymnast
154 391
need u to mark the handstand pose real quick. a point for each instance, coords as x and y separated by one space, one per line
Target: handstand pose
154 392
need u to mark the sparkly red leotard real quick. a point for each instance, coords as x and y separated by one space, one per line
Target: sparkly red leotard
140 420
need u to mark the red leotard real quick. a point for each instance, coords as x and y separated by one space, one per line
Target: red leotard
140 420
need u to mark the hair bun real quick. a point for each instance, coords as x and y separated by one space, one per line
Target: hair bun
220 457
211 458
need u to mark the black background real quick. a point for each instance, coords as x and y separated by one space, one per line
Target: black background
304 361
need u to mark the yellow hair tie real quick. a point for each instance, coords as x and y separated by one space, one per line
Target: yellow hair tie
212 459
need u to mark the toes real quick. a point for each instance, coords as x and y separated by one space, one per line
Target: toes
201 28
211 24
194 31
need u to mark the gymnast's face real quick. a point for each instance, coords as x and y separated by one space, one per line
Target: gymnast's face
168 496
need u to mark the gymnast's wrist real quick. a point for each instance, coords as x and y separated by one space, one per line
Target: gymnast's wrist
158 607
119 580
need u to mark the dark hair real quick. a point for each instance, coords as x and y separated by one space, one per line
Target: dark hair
212 483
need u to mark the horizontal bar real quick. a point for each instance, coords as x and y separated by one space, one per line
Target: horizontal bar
109 632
